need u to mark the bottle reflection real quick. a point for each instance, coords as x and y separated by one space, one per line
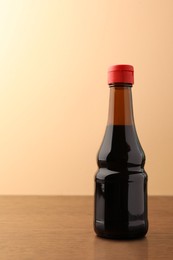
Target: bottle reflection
111 249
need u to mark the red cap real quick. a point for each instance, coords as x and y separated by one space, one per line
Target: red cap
121 74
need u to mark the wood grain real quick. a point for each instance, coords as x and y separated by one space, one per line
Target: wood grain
55 227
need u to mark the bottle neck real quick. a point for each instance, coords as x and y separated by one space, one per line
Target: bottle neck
120 105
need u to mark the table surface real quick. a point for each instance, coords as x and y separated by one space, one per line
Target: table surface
61 227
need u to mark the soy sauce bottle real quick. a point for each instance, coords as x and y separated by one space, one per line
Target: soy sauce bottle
121 181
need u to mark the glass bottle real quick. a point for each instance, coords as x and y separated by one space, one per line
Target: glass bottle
121 181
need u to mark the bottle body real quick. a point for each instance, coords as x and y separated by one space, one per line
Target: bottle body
121 185
121 181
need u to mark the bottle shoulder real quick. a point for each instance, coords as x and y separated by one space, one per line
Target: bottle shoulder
120 148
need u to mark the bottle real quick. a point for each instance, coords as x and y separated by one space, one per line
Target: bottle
121 181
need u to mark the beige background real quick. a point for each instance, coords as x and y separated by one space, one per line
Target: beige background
54 57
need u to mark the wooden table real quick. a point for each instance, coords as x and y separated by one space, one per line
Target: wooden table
55 227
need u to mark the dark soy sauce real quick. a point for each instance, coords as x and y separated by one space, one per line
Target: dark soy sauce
121 185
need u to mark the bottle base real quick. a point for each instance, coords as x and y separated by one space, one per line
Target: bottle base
121 237
121 234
